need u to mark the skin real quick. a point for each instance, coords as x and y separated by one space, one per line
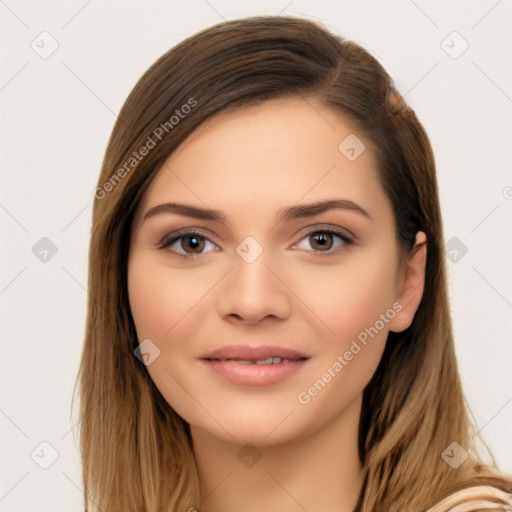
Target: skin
249 164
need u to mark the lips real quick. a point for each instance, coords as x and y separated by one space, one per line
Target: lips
260 355
254 366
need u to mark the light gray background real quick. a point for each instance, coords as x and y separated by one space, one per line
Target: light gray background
57 114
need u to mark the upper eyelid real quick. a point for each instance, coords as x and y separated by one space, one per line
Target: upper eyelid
329 228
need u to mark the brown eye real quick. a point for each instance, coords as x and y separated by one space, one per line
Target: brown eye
321 240
324 240
193 242
187 244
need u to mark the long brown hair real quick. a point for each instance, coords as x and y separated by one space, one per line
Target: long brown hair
136 451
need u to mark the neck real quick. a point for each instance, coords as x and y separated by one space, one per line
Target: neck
315 472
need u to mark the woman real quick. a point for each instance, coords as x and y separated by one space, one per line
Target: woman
269 326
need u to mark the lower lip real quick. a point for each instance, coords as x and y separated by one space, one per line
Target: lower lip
255 374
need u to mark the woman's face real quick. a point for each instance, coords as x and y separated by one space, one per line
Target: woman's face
261 280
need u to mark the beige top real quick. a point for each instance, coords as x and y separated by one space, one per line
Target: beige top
481 498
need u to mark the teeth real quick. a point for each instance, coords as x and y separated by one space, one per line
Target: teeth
270 360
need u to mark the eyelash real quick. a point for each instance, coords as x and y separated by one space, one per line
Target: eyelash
170 239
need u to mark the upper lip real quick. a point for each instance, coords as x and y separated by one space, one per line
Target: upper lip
252 353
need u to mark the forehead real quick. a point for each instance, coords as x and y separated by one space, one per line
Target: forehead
269 155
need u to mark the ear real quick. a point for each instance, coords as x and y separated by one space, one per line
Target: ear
410 286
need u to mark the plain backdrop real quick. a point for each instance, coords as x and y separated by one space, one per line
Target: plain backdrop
451 60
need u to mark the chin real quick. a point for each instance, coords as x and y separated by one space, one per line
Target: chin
261 426
253 432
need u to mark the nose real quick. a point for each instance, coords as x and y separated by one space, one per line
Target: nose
254 291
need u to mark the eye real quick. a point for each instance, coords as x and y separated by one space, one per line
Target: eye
325 239
192 243
188 243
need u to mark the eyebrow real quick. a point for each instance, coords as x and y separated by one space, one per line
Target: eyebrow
288 213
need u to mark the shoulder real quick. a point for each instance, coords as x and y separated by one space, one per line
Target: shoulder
475 499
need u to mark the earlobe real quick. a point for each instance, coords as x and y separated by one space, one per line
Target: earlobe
411 285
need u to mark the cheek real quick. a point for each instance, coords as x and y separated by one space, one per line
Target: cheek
356 306
162 305
350 296
355 303
161 297
146 296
